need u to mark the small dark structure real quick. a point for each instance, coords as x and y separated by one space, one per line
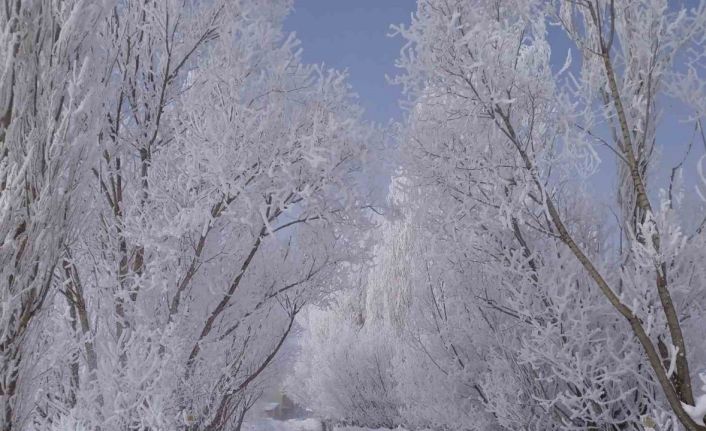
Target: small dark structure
286 409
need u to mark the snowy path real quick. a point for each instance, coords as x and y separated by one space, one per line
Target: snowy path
295 425
290 425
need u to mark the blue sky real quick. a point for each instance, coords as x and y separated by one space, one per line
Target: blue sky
351 35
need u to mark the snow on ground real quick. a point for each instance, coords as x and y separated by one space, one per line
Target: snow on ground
296 425
365 429
290 425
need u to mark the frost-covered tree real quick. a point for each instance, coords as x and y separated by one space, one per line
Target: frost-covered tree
49 87
344 369
217 198
595 306
400 348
